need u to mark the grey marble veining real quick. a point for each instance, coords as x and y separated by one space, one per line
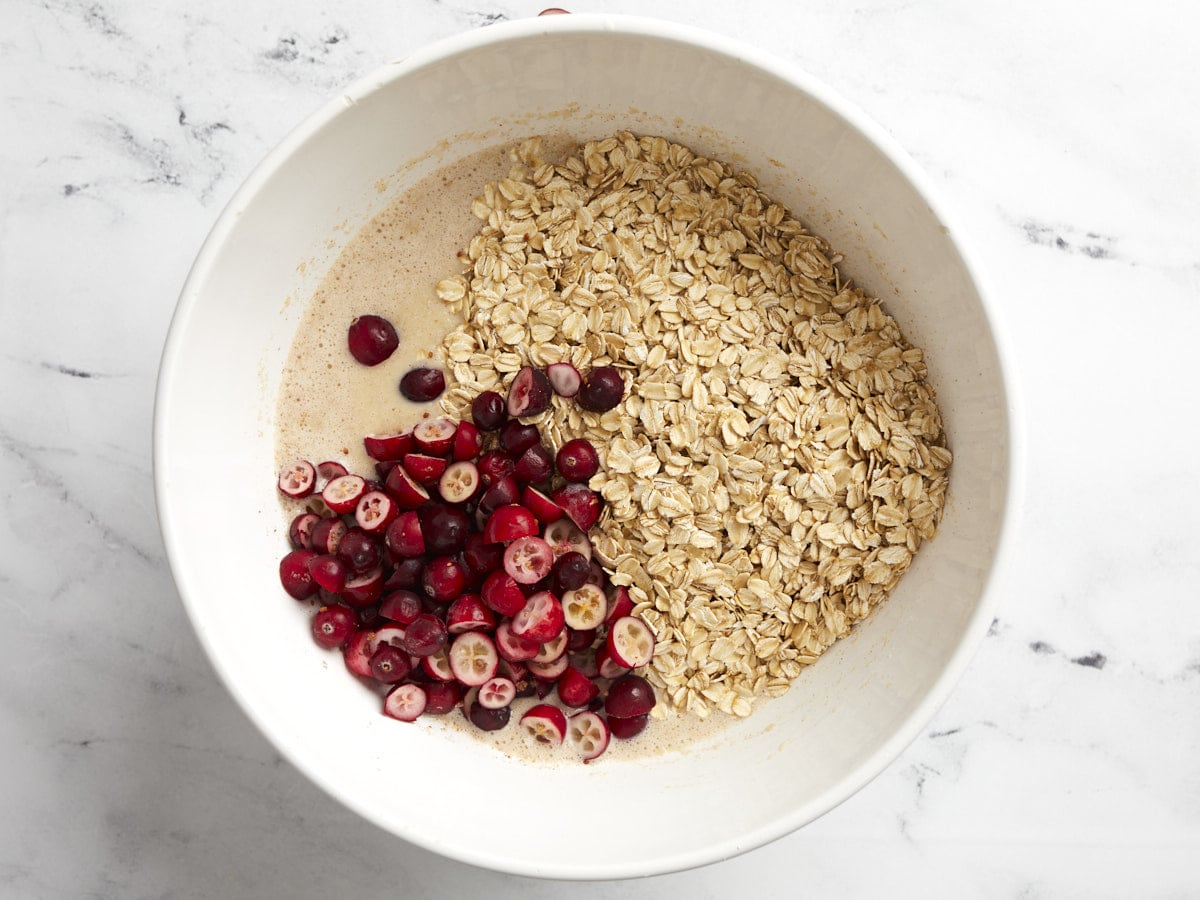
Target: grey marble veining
1065 764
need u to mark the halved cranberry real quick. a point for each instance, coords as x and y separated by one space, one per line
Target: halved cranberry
371 339
480 556
388 447
545 509
575 688
443 579
588 735
508 523
601 390
366 616
300 530
328 534
422 384
407 574
577 460
473 658
620 604
496 692
516 438
571 571
441 697
553 649
584 607
535 466
503 492
528 560
495 465
332 626
548 671
446 528
405 536
389 664
606 665
628 696
298 479
563 537
513 647
489 719
468 613
375 511
329 470
406 491
359 551
488 410
357 653
437 666
540 619
529 393
502 594
363 590
564 378
425 635
467 442
406 702
630 642
401 606
460 482
580 503
580 639
585 662
295 576
435 436
624 729
545 724
423 467
328 572
342 494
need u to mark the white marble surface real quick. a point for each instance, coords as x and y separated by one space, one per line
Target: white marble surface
1068 761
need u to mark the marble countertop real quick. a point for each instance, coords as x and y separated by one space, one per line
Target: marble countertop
1067 763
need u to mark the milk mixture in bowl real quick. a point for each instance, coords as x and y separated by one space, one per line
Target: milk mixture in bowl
660 372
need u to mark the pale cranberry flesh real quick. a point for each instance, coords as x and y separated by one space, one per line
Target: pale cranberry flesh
298 479
406 702
588 735
375 511
423 384
528 560
563 537
371 339
459 482
529 393
435 436
342 494
328 534
564 378
545 724
540 619
496 692
630 642
584 608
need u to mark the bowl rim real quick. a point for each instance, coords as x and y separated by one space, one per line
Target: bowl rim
750 55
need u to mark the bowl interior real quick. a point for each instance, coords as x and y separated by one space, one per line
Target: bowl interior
843 720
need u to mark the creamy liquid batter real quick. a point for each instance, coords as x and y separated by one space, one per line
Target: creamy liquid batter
328 401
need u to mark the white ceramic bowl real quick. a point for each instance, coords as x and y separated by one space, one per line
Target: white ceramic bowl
845 719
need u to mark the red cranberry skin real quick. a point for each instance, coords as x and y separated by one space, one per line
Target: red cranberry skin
401 606
580 640
630 695
467 442
489 719
576 689
571 571
577 460
422 385
407 574
300 530
368 617
516 438
503 492
333 625
443 579
295 576
405 537
327 534
371 339
535 466
359 551
624 729
481 557
443 696
488 411
445 529
328 572
425 635
601 390
494 465
529 393
502 594
390 664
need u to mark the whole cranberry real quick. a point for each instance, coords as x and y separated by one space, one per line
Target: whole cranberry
371 339
422 385
577 460
516 438
489 719
359 551
488 411
602 389
445 528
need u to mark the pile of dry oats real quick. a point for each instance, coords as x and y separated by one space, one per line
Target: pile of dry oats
778 457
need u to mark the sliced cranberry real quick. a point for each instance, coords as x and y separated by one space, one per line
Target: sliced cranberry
300 530
468 613
407 574
606 665
576 689
297 479
584 608
624 729
328 534
601 390
496 692
406 702
630 642
620 605
332 626
529 393
508 523
407 492
371 339
494 465
489 411
528 560
343 493
545 509
401 606
446 528
389 664
577 460
425 635
552 649
443 579
515 648
516 438
422 384
459 483
502 594
480 556
588 735
359 551
534 466
473 658
441 697
467 442
375 511
329 470
545 724
502 492
628 696
328 572
580 503
435 436
563 537
424 467
580 639
388 447
540 619
585 662
363 590
564 378
489 719
366 616
549 671
295 576
437 666
405 536
357 653
571 571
